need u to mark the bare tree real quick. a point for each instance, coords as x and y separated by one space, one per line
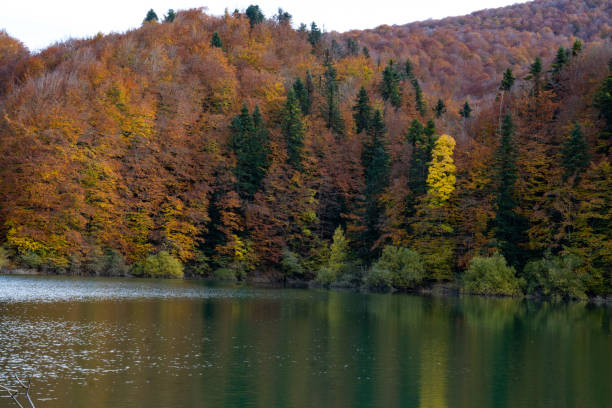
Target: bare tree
25 389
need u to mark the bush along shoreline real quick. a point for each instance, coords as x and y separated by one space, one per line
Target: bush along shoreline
397 270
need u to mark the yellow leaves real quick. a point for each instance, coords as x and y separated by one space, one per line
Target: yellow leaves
180 232
441 178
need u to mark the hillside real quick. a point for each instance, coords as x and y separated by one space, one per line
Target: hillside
238 146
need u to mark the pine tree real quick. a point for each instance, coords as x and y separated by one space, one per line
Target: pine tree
375 161
441 177
535 75
575 153
169 18
422 145
366 52
466 111
293 130
419 103
151 16
390 86
576 48
249 141
439 109
216 40
509 226
314 37
254 14
362 111
603 102
507 80
408 71
332 115
301 93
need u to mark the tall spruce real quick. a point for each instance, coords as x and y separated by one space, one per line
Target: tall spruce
390 88
419 103
509 226
293 130
362 111
331 110
603 102
254 14
422 140
314 36
249 141
466 110
216 40
439 109
575 152
302 95
151 16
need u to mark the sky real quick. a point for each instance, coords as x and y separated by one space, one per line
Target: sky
40 23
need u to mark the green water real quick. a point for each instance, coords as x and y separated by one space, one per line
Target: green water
145 343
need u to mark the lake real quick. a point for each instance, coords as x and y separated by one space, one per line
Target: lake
162 343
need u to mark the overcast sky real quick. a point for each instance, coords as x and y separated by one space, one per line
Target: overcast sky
39 23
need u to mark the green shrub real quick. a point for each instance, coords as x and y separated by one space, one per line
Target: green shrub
162 264
401 267
337 263
291 263
201 266
491 276
30 260
225 273
110 263
556 278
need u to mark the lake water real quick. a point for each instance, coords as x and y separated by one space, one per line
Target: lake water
159 343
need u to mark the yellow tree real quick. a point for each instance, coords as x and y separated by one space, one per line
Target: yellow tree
441 178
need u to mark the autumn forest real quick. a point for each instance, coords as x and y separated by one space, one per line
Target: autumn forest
468 153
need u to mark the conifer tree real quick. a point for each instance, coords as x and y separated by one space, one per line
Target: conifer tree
293 130
314 36
366 52
249 141
390 86
603 102
408 71
507 80
466 111
216 40
254 14
362 111
419 103
422 140
302 94
576 48
509 226
575 153
331 111
439 109
151 16
535 75
169 18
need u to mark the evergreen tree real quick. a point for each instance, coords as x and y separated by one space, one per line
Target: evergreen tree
575 152
408 71
331 111
576 48
509 226
507 80
362 111
603 102
216 40
422 140
439 109
352 46
419 103
375 161
302 95
293 130
314 37
366 52
254 14
560 60
249 141
283 17
151 16
169 18
466 111
535 75
390 86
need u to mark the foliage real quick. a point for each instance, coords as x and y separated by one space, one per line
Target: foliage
109 263
556 277
390 89
441 177
254 14
575 153
162 265
293 130
4 259
151 16
401 267
337 261
291 264
491 276
466 110
216 40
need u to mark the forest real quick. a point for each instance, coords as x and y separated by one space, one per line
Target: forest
471 151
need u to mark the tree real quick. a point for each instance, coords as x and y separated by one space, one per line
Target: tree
293 130
314 36
352 46
362 111
302 93
441 178
576 48
603 102
170 16
216 40
575 151
151 16
331 110
419 103
439 109
254 14
338 259
283 17
390 86
422 144
535 75
466 111
408 70
507 80
509 226
249 141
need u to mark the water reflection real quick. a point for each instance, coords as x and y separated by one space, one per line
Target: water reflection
179 344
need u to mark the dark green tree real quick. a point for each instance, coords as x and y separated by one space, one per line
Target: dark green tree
249 142
419 103
151 16
375 161
509 226
169 18
254 14
362 111
293 130
216 40
439 109
422 140
366 52
576 48
507 80
575 151
466 111
283 17
352 46
603 102
302 95
535 75
408 71
331 109
390 89
314 36
560 60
